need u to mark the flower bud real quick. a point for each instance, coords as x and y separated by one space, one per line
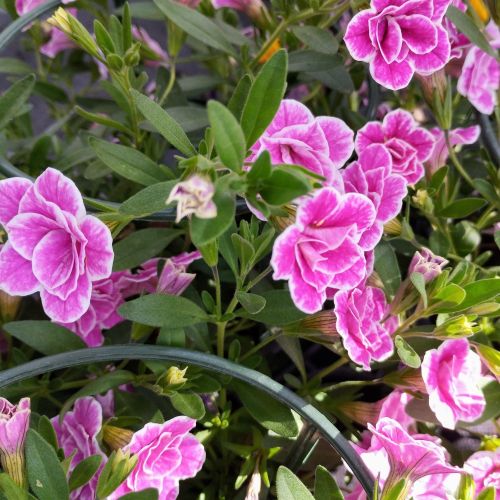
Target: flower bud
427 264
194 196
393 227
361 412
114 62
9 306
273 48
282 222
116 437
133 55
175 376
458 327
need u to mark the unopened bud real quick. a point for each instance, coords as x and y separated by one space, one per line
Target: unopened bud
282 222
361 412
458 327
133 55
114 62
393 227
175 376
116 437
9 306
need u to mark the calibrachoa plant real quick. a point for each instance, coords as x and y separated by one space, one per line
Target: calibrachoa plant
302 189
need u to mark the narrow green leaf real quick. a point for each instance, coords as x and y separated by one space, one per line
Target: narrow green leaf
141 245
466 25
239 97
251 302
10 489
310 61
189 404
316 38
229 138
44 336
84 472
163 310
148 201
487 494
462 208
438 178
490 356
195 24
406 352
46 430
418 281
325 486
45 473
283 186
147 494
265 97
261 169
164 123
387 267
290 487
466 488
12 66
478 292
102 120
448 298
128 162
14 98
270 413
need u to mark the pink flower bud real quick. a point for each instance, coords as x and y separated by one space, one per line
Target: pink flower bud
427 264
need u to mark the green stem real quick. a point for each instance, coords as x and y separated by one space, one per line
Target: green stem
329 369
258 279
170 84
456 161
256 348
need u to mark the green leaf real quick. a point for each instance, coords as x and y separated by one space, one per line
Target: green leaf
264 97
251 302
44 336
448 298
491 357
325 486
261 169
10 489
45 473
438 178
316 38
128 162
12 66
148 201
84 472
228 136
387 267
418 281
141 245
14 98
291 346
310 61
189 404
99 386
478 292
336 78
46 430
283 186
239 97
487 494
406 352
195 24
461 208
164 123
147 494
279 309
163 310
270 413
466 25
466 488
204 231
290 487
487 189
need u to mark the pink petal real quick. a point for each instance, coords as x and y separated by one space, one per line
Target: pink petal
371 133
379 5
54 259
16 275
283 257
440 8
398 123
315 209
357 37
408 8
419 33
11 192
56 188
395 189
389 39
290 112
304 296
309 135
394 76
73 307
374 157
340 139
436 59
352 277
193 457
423 141
468 135
99 249
26 230
355 209
371 236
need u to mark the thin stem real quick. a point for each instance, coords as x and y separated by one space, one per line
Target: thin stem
256 348
329 369
456 161
258 278
170 84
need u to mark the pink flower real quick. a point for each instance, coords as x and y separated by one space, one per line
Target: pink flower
173 279
252 8
393 454
295 136
451 374
102 313
25 6
394 406
58 41
484 466
14 423
480 78
458 137
399 38
53 246
408 144
427 264
458 40
167 453
157 55
77 433
190 3
372 176
359 313
321 251
194 196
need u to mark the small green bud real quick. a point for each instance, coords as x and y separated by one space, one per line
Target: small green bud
114 62
458 327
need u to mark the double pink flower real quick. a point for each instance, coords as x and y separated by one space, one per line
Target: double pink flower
399 38
53 248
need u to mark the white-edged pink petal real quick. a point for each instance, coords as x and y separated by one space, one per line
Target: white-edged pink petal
16 276
11 192
340 139
357 37
99 250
